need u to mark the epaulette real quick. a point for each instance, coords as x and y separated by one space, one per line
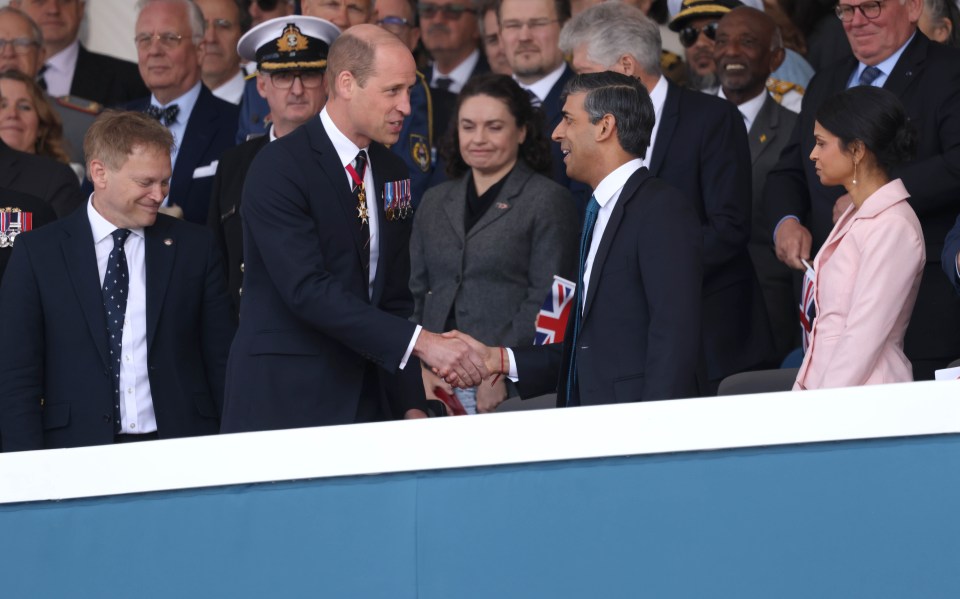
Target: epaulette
778 88
672 66
80 104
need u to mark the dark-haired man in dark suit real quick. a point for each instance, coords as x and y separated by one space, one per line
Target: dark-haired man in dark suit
634 330
699 146
890 52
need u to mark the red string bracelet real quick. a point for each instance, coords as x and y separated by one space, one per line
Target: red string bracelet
497 378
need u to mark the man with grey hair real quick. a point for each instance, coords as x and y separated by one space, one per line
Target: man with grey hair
169 40
634 331
699 145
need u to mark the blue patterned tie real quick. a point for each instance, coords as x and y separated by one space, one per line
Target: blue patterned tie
116 284
869 75
593 208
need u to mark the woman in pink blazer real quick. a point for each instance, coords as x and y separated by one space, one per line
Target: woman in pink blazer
868 271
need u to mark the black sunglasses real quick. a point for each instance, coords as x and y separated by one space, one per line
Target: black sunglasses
689 34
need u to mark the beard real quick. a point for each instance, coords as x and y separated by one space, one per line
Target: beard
703 82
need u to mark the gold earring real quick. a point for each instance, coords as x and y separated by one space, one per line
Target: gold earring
854 172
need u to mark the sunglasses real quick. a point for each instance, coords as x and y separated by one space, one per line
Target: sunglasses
689 35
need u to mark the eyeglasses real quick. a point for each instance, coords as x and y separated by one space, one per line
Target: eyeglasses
689 35
308 79
167 40
870 10
20 45
452 12
220 24
532 24
395 25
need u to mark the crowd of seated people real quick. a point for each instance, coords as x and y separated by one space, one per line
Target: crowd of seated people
388 189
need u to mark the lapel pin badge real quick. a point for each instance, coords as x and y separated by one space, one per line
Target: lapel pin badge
168 241
502 206
763 137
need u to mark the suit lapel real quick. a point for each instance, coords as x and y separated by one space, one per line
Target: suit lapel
668 123
764 129
629 191
160 252
517 178
455 207
909 67
197 137
80 258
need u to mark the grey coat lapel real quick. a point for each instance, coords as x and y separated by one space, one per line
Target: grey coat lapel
517 178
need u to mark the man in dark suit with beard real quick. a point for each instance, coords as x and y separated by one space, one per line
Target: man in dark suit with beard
291 81
324 336
890 52
634 328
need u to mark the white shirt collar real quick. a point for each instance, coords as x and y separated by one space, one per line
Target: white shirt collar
232 90
885 66
611 185
659 96
543 86
101 227
459 74
60 69
186 102
346 149
749 109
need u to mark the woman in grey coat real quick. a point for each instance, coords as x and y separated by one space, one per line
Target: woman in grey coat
486 244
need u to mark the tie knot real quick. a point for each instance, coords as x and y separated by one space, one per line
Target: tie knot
593 207
869 75
167 116
120 237
443 83
535 100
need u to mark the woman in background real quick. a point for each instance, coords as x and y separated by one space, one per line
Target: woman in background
27 121
940 21
486 244
867 273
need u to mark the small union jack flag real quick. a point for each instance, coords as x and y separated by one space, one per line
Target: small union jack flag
808 309
552 319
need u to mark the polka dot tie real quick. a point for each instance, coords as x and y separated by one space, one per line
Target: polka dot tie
116 285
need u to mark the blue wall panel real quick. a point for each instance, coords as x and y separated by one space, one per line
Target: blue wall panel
859 519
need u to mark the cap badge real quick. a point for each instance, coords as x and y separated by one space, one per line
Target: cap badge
292 40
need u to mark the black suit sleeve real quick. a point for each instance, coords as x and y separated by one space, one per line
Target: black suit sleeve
218 325
21 363
726 184
785 192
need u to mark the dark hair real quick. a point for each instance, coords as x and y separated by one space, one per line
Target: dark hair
535 149
875 117
624 98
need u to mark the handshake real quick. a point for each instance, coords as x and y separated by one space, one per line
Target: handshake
459 359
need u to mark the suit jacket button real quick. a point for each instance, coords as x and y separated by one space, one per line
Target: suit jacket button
241 267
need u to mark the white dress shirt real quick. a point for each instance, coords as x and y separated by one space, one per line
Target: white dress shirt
658 97
460 73
136 401
607 193
232 90
347 152
60 69
749 109
542 87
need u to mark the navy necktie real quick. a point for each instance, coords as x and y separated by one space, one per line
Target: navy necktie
869 75
443 83
590 220
41 80
535 100
166 116
116 285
